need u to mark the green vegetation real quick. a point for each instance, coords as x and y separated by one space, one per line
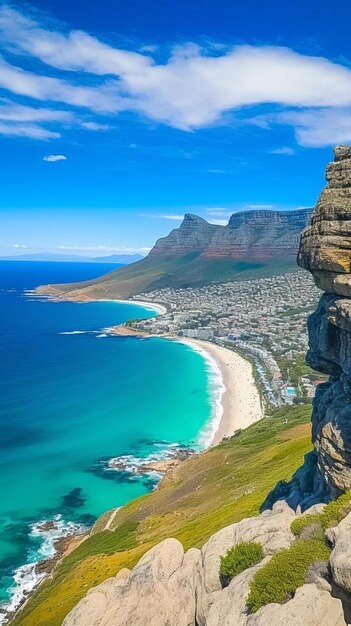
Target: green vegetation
294 370
278 580
332 514
189 270
205 493
239 558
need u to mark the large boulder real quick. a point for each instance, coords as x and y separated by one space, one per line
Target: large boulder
230 606
271 529
340 558
309 607
159 591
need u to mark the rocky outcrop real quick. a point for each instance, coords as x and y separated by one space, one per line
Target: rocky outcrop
271 529
193 235
309 607
159 591
170 588
325 250
230 606
259 235
340 560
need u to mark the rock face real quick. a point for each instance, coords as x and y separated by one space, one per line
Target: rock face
309 607
271 529
325 250
259 235
340 560
193 235
170 588
160 591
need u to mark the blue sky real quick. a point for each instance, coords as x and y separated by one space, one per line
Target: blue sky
117 117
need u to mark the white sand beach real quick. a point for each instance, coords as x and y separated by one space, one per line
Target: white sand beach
241 402
159 308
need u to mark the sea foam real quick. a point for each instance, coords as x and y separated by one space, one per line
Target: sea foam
216 390
25 578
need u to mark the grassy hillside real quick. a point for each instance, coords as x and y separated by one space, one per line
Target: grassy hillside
180 271
205 493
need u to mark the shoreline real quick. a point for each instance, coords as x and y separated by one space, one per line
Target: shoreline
237 402
239 398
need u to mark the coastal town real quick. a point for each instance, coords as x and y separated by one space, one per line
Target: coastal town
263 319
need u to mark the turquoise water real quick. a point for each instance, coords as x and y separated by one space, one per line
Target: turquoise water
70 402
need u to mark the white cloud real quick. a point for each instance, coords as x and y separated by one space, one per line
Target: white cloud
164 216
102 99
52 158
219 222
218 211
21 246
31 131
284 150
321 127
14 112
192 89
257 207
95 126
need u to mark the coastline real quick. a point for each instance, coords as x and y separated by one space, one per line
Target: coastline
237 402
159 308
239 397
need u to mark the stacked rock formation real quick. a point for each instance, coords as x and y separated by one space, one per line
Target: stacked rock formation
325 250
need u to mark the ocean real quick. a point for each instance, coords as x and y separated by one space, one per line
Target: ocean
72 398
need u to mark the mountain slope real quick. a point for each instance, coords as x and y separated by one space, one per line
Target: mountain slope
254 243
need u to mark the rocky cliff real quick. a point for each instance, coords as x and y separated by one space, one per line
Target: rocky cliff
251 235
193 235
197 253
260 235
325 250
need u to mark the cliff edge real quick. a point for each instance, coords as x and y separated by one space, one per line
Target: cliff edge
325 251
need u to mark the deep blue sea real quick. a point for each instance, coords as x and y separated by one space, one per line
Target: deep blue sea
71 398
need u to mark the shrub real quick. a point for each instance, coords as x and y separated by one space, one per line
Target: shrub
302 524
335 511
315 524
278 580
239 558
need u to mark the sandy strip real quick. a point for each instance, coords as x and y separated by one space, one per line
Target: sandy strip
240 401
151 306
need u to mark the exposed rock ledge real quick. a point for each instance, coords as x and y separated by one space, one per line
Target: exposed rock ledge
325 250
171 588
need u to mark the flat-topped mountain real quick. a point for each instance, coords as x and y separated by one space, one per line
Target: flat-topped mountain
197 253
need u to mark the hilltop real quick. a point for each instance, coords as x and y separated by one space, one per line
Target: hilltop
254 243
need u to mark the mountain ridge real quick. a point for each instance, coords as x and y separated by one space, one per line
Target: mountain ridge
198 253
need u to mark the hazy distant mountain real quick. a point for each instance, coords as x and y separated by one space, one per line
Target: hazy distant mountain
122 259
254 243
